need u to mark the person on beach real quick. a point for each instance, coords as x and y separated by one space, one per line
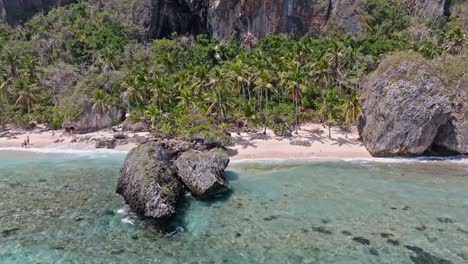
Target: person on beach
27 139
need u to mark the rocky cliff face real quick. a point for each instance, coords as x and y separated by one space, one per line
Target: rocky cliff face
416 107
221 18
160 18
15 12
91 119
260 18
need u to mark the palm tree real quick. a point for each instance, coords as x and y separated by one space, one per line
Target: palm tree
3 89
455 41
264 87
152 114
329 110
101 101
295 80
321 72
135 84
219 85
241 80
185 99
351 107
30 65
200 79
158 89
26 93
12 60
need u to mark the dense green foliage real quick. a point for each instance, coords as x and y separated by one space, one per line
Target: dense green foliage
182 85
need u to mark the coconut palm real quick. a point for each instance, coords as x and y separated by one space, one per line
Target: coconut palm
321 73
329 110
3 89
135 84
101 101
351 107
264 87
218 85
12 59
151 114
455 41
25 93
31 67
295 80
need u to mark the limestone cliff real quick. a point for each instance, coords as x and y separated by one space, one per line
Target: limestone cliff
222 18
415 106
15 12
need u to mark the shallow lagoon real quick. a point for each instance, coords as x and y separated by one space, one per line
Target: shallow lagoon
61 208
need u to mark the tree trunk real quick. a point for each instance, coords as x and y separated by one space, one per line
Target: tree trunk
297 117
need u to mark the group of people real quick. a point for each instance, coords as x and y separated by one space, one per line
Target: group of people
26 142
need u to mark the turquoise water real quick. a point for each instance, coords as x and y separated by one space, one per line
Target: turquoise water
61 208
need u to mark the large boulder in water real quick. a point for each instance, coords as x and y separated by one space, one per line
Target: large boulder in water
148 183
415 106
203 172
153 176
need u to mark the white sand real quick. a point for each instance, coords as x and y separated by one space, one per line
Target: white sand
342 144
59 139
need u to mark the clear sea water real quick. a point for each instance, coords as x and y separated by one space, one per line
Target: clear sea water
62 208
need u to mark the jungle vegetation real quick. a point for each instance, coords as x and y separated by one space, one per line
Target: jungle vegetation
54 63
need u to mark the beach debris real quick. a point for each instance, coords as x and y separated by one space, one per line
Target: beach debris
105 143
303 143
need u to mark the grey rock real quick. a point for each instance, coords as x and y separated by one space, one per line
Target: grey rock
15 12
106 143
304 143
410 110
203 172
92 120
148 183
120 136
160 18
249 20
137 127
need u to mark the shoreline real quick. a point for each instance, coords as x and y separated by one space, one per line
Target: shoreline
310 144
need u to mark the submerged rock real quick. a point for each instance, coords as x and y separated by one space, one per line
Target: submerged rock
203 172
423 257
148 183
411 108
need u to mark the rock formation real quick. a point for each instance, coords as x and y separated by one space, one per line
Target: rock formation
248 19
15 12
148 183
92 120
203 172
154 174
412 108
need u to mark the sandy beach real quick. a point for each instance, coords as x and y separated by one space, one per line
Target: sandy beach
343 144
312 141
41 138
